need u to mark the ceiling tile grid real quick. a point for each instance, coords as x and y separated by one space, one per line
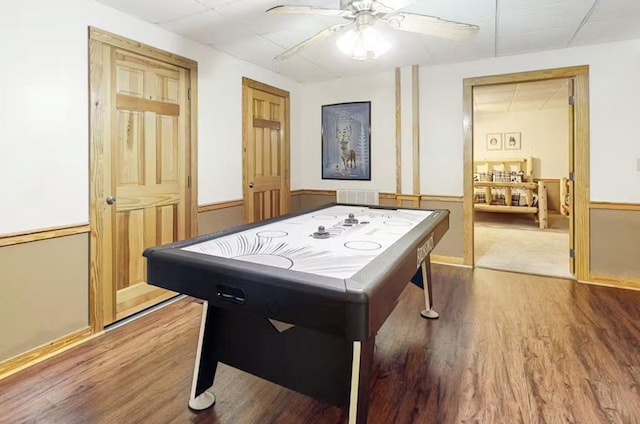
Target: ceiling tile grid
242 29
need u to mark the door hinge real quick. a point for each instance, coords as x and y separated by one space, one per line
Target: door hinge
572 253
189 93
189 181
571 176
572 100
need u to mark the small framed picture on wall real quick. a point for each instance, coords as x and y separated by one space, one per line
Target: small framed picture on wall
512 141
494 141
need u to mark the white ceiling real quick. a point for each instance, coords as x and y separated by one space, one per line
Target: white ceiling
242 29
541 95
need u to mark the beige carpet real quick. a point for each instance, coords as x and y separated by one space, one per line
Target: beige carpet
515 243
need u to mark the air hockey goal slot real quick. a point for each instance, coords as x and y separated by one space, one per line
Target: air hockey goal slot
231 294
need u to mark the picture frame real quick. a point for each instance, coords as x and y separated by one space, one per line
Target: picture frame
494 141
512 141
346 141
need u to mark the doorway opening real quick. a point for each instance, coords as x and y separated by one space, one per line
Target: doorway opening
526 182
521 137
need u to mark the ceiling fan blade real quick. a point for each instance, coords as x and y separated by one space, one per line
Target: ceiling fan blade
431 25
327 32
390 6
310 10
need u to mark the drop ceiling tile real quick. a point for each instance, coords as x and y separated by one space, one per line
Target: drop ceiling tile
253 49
513 5
534 41
566 14
218 3
615 9
302 70
524 105
464 52
456 10
209 28
617 29
492 108
157 11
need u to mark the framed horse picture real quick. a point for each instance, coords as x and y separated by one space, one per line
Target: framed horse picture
346 141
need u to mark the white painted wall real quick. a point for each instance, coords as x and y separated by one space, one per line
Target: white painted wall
614 110
380 90
44 113
544 136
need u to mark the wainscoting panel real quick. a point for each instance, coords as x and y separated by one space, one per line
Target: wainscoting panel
452 244
45 292
300 202
615 243
218 219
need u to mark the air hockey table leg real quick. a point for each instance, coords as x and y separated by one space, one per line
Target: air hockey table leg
426 278
361 369
202 396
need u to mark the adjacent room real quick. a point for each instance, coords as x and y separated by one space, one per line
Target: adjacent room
521 150
336 211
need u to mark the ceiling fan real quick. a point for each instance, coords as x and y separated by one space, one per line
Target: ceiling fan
362 41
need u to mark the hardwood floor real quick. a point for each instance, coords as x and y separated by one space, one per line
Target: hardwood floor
508 348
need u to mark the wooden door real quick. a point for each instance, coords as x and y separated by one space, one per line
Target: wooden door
140 141
571 179
265 151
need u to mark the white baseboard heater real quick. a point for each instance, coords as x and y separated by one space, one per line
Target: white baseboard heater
362 197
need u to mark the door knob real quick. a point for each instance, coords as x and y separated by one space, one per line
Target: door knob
251 185
111 200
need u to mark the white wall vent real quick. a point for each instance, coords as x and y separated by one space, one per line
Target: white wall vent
361 197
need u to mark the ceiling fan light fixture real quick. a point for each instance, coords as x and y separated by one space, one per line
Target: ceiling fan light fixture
362 43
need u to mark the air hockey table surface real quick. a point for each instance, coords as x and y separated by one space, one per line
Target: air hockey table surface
308 291
278 269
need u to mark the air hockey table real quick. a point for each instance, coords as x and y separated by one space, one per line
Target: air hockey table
298 299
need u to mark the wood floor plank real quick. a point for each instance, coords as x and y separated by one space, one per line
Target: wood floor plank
508 348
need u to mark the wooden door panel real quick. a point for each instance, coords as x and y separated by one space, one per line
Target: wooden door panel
167 156
167 88
150 151
129 81
130 148
266 154
130 241
141 120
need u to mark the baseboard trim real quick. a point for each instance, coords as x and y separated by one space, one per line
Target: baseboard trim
615 206
313 192
49 350
449 260
426 198
220 205
610 281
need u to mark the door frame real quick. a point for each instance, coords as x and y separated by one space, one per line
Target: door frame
580 76
99 125
248 83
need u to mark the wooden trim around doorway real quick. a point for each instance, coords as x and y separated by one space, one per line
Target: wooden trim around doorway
112 39
580 74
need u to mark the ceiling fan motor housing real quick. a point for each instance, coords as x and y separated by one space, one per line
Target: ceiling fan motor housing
356 5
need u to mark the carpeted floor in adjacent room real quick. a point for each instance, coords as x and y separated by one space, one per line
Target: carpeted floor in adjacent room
514 242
